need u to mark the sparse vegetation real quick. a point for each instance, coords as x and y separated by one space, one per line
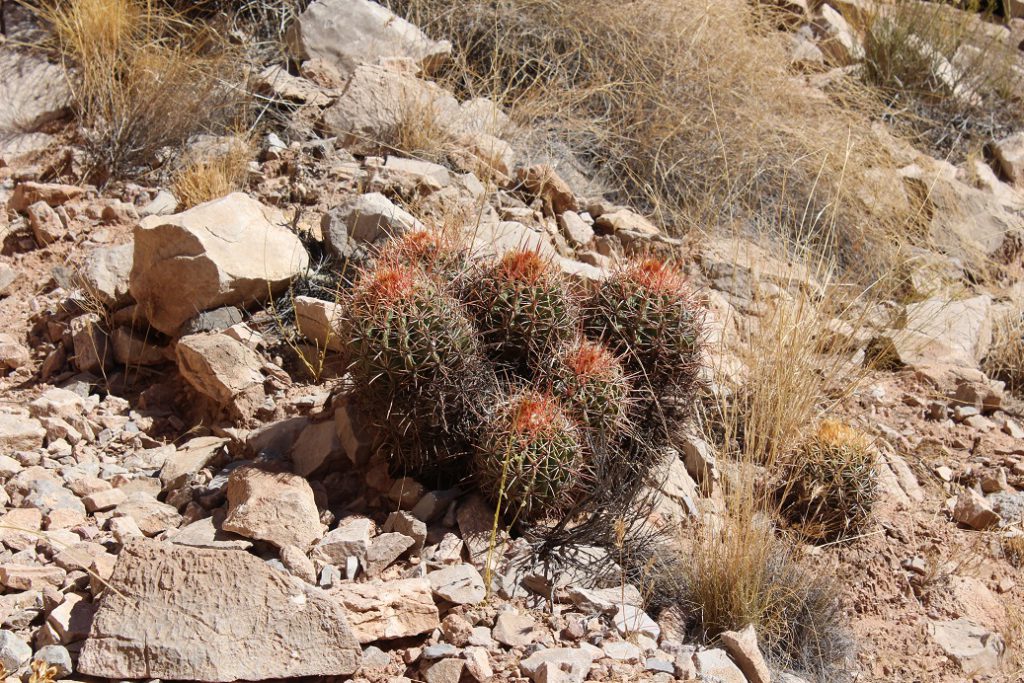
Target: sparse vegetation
212 174
1005 359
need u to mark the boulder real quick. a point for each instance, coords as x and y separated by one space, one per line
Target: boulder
104 274
33 92
938 332
230 251
277 507
385 611
180 613
223 369
347 33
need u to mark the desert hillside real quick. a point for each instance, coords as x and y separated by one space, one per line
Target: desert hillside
466 341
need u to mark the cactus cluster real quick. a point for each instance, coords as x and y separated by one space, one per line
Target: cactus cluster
498 367
523 308
832 484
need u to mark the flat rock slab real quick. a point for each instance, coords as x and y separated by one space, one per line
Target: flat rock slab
180 613
385 611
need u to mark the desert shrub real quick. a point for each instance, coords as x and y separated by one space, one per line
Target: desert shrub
739 573
143 80
685 107
523 308
1005 359
212 174
529 458
951 78
831 484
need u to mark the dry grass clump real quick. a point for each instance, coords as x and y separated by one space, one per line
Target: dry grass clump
1013 549
143 79
212 174
741 573
832 484
686 106
952 78
1005 360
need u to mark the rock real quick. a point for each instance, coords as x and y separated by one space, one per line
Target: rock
28 193
192 456
622 219
14 652
602 600
478 664
218 320
974 648
151 516
938 332
224 370
275 507
572 665
514 629
631 620
23 577
229 251
347 33
460 584
13 354
207 533
316 444
445 671
376 102
8 278
497 239
716 665
295 561
351 538
742 647
104 274
163 204
543 182
974 511
433 504
93 351
364 219
46 225
410 177
404 523
72 619
33 93
837 39
104 500
622 651
317 321
385 611
276 82
1009 152
133 350
384 550
575 229
177 613
20 432
56 656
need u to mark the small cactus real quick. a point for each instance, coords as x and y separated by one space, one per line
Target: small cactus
523 308
832 484
647 315
433 251
592 384
529 456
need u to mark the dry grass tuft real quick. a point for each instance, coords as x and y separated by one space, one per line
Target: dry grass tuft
1005 360
144 79
1013 549
954 79
686 106
213 174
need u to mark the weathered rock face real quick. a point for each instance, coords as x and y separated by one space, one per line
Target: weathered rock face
940 332
276 507
33 92
347 33
181 613
229 251
976 649
223 369
383 611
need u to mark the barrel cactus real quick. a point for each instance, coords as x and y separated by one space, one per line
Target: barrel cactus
646 314
592 384
523 308
434 251
529 456
832 484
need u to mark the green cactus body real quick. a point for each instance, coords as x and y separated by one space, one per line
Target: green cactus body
530 456
647 315
592 384
523 308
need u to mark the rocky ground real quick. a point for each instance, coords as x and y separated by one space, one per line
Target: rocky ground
188 494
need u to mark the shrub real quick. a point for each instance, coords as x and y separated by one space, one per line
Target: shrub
143 81
213 174
647 314
1005 359
832 484
529 459
523 308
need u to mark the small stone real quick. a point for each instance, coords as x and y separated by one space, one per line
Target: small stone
433 504
514 629
478 664
104 500
742 646
460 584
622 651
298 564
56 656
445 671
375 658
151 516
456 629
277 507
46 225
351 538
716 663
974 511
404 523
385 549
571 664
25 577
72 619
632 620
14 652
384 611
439 651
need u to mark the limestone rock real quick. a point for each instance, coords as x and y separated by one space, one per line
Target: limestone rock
20 432
104 274
364 219
976 649
1009 152
179 613
716 665
46 225
572 663
317 320
460 584
939 332
152 516
514 629
54 194
385 611
223 369
974 511
33 92
543 182
742 646
275 507
232 250
495 239
347 33
13 354
134 350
